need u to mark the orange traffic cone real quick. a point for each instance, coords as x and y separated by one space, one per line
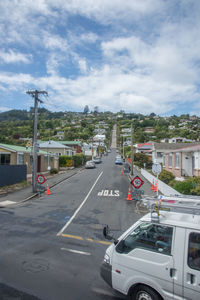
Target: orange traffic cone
156 187
122 172
129 194
153 186
48 191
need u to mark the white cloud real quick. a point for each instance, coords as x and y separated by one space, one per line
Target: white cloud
148 59
14 57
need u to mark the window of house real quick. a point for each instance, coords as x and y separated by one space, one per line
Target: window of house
194 251
20 158
152 237
164 160
4 159
170 159
177 155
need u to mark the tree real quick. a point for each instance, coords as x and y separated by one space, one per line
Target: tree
86 109
96 110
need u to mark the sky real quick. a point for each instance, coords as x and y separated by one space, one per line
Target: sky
139 56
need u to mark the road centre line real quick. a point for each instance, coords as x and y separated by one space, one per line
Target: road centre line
79 208
80 238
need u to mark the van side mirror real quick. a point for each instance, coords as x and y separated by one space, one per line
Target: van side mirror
106 233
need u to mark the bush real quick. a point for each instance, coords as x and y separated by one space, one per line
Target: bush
53 171
184 187
65 161
190 186
166 176
79 160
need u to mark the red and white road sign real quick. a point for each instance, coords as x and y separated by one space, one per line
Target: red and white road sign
40 179
137 182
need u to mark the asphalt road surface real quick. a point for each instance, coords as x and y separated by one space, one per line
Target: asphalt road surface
52 246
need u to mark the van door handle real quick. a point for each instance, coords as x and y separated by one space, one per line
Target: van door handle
190 278
172 272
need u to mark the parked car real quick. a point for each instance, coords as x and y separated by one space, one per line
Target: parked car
90 164
127 168
118 161
97 160
109 150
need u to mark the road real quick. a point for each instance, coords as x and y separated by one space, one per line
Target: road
52 246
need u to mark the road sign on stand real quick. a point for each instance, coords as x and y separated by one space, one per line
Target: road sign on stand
40 179
137 182
156 168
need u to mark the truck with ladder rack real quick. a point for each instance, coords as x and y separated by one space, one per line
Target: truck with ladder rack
158 257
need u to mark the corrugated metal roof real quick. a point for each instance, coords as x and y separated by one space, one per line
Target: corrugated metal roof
172 146
52 144
70 142
16 148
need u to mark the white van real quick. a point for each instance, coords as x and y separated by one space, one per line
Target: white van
158 258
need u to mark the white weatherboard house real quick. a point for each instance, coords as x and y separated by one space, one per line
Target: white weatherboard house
56 148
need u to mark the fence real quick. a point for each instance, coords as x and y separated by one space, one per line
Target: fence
11 174
162 187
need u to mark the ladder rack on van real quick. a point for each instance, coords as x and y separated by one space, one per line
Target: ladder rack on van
179 204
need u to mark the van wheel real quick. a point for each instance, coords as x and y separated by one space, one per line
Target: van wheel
143 292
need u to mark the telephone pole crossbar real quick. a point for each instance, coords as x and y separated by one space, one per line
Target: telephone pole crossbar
35 94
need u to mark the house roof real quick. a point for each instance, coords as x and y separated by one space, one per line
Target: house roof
52 144
172 146
189 149
145 146
15 148
71 143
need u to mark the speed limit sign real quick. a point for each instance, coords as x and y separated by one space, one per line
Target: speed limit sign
40 179
137 182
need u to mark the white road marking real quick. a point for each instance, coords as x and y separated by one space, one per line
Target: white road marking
109 193
76 251
79 208
6 203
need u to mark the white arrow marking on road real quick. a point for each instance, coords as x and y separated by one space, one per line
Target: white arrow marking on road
76 251
78 209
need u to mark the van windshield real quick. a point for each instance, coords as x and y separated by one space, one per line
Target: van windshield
154 237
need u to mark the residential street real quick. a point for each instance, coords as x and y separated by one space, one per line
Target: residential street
52 246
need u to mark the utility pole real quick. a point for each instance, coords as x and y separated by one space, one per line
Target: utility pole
132 156
35 94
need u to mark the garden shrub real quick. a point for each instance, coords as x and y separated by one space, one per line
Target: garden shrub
79 160
184 187
65 161
53 171
166 176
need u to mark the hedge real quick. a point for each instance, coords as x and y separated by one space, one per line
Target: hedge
75 160
65 161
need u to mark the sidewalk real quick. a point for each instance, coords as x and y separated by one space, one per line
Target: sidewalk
26 193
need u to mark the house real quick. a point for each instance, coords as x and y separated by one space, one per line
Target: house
12 156
149 130
99 138
90 149
144 148
75 145
60 135
183 162
160 149
56 148
180 140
